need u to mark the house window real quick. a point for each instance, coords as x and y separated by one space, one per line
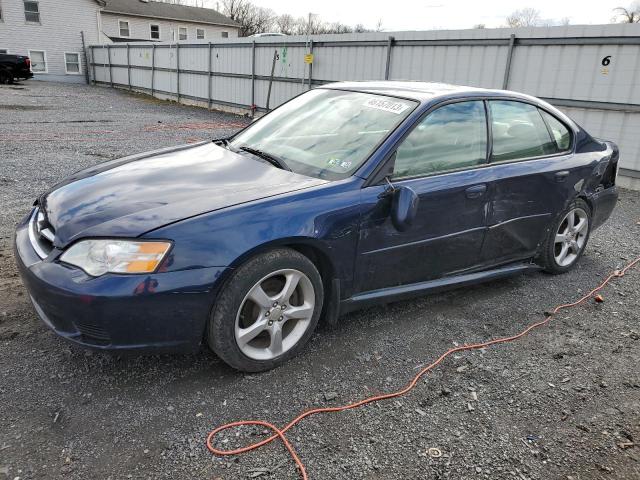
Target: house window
225 34
38 61
72 63
155 32
200 33
124 28
182 33
31 11
4 50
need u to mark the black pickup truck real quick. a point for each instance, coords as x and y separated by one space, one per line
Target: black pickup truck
14 67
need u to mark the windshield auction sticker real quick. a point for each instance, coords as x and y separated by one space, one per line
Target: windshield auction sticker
386 105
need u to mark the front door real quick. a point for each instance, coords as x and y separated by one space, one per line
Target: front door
438 159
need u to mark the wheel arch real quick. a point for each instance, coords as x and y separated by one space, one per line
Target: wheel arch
317 253
584 197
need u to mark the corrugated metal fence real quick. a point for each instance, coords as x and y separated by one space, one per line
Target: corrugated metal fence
592 72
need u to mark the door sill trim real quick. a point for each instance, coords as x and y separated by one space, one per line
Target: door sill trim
402 292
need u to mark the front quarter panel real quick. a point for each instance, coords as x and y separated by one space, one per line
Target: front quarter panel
324 217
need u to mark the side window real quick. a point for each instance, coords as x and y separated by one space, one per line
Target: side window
72 63
559 131
38 61
451 137
518 131
31 11
155 31
123 26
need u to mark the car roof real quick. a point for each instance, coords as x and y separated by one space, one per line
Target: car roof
429 93
420 91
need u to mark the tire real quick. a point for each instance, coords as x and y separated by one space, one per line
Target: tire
5 78
550 257
236 316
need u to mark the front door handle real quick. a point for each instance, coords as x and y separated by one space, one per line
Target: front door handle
562 176
476 191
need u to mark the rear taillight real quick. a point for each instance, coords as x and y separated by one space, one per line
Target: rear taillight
27 61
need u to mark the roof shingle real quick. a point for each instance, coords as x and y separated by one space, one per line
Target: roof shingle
168 11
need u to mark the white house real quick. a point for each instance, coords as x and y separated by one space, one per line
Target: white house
49 31
135 20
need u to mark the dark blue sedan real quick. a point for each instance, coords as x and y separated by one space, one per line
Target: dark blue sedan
348 195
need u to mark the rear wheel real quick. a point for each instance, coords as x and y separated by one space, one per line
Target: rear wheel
567 240
267 311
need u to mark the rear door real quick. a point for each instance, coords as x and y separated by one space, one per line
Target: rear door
440 160
535 174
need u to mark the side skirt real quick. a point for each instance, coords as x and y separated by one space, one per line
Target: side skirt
403 292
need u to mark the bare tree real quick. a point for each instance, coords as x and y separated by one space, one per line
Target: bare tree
360 28
285 23
480 25
631 14
525 17
252 19
337 27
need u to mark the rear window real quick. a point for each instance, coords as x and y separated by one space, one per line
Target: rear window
518 131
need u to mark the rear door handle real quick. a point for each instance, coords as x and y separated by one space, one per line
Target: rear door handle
562 176
476 191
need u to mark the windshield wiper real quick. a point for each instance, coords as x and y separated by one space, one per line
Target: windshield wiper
273 160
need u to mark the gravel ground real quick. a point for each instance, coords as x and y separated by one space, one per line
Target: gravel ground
562 403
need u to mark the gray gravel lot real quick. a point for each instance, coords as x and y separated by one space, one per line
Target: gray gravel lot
562 403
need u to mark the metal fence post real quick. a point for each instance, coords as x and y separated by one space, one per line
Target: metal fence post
387 67
311 64
86 59
507 68
253 76
153 67
128 67
209 79
178 71
273 69
110 67
93 63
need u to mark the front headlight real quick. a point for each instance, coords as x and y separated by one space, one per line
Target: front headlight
97 257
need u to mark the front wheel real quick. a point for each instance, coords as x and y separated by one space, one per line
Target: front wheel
267 311
567 240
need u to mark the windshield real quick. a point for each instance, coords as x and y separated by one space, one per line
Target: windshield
325 133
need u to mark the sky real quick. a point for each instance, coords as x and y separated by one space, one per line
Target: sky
440 14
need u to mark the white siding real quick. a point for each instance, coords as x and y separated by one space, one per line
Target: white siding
140 28
58 32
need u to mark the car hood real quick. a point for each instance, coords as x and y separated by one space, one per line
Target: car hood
131 196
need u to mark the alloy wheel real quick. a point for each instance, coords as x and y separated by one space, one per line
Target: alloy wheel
275 314
571 237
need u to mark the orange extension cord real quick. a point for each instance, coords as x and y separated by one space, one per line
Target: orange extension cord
280 432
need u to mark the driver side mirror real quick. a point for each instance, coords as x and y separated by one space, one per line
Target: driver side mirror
404 207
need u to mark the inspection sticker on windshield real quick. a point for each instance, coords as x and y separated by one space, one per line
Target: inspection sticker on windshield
386 105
